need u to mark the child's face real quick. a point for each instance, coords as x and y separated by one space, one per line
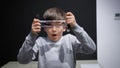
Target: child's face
55 31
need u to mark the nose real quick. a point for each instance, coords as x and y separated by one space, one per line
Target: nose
54 28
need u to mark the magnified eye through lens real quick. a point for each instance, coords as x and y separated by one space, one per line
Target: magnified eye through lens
47 23
51 26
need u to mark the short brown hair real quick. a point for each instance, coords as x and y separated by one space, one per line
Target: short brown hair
54 13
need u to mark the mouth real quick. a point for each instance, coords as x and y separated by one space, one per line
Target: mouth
54 35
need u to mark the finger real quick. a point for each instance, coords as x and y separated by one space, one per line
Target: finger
36 20
69 17
37 27
69 20
36 30
36 24
69 14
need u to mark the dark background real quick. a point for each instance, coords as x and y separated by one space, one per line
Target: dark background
17 16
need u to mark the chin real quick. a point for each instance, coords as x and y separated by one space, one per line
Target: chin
55 40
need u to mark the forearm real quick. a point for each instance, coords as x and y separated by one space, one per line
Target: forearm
26 51
87 44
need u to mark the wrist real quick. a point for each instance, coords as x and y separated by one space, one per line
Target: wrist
73 25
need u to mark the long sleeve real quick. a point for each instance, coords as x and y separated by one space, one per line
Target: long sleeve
83 43
26 52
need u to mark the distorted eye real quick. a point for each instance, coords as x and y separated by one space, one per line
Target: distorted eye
47 24
51 25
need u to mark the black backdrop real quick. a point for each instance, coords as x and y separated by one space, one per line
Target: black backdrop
17 17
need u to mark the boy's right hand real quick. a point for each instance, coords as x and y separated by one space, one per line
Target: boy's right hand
36 26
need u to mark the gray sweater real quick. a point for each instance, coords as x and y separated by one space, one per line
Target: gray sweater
60 54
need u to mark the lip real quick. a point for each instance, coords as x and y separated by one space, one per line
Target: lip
54 35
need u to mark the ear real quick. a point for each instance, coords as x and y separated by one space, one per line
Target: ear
64 29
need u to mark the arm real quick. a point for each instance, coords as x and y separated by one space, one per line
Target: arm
29 49
82 41
26 52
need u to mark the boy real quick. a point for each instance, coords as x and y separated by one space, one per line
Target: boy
55 50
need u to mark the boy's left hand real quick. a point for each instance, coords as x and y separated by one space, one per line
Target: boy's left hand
70 19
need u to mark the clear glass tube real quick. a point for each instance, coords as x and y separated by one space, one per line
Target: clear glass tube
47 21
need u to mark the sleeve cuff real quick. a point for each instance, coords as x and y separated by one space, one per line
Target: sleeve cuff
77 28
31 36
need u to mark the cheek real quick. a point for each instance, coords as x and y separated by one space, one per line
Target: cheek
47 31
61 31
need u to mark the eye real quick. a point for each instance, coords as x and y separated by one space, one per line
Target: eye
48 24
